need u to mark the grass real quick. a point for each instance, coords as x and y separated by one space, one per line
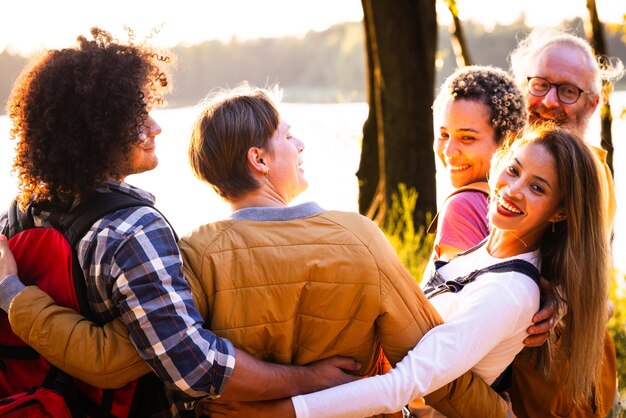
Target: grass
412 245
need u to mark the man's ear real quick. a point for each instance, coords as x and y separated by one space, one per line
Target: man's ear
255 161
592 104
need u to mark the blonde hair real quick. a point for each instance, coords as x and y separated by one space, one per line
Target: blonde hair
575 259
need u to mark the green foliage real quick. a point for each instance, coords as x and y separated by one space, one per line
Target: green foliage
617 329
412 246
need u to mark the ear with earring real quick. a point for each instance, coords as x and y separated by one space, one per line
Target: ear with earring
560 217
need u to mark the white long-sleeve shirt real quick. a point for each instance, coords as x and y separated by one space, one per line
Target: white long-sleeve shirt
485 325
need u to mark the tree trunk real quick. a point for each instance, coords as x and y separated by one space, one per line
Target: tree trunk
459 45
371 183
401 44
595 33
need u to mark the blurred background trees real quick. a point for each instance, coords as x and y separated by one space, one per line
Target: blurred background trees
324 67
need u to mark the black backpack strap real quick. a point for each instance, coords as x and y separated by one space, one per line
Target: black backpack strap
80 219
77 222
22 352
12 222
436 285
517 265
17 220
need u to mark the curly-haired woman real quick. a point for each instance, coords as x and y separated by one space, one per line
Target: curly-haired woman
477 109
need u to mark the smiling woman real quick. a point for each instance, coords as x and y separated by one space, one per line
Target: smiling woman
526 196
478 108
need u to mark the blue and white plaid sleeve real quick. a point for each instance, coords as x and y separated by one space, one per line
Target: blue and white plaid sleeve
155 303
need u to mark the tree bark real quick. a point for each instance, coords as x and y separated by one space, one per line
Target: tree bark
459 44
401 44
371 183
594 30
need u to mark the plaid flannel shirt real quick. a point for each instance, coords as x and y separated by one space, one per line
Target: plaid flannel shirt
133 270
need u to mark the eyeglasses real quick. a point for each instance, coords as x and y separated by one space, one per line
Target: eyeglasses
566 92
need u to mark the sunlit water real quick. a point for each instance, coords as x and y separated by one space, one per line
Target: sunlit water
332 136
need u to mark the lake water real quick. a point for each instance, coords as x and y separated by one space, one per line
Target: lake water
332 136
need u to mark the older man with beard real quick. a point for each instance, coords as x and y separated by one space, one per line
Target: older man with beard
563 79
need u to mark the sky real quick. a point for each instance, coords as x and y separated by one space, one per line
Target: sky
32 25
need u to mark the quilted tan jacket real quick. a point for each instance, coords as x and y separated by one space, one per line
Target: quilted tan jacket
301 290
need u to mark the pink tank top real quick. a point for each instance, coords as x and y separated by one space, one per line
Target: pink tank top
463 220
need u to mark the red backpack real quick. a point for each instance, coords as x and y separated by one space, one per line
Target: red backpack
29 385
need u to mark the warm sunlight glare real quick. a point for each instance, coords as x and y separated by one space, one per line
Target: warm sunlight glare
30 25
536 12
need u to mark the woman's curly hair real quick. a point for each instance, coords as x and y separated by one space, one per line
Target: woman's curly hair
77 112
493 87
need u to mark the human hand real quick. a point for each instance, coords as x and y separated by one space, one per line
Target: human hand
509 404
255 380
545 319
7 261
269 409
329 372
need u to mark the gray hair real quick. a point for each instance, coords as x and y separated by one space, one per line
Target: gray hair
609 69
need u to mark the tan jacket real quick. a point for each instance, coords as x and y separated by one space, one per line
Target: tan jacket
301 290
289 291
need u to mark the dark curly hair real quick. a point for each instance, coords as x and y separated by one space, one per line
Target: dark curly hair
77 112
493 87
